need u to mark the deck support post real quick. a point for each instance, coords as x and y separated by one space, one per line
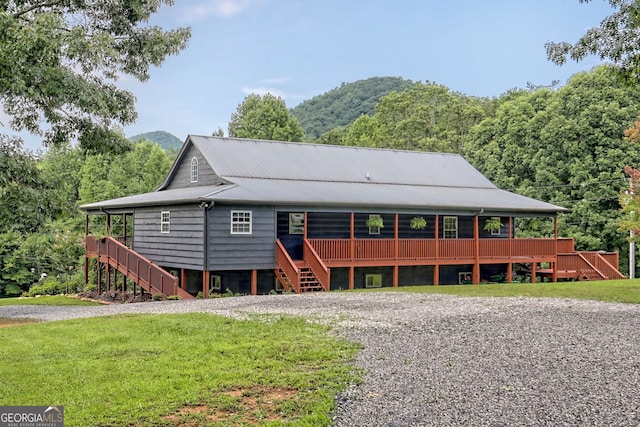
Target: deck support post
206 275
436 275
476 246
509 272
254 278
533 272
183 279
351 277
396 245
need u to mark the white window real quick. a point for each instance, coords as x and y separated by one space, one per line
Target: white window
296 223
194 169
165 221
240 222
450 227
216 283
373 280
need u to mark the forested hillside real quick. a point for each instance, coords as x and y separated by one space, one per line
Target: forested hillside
343 105
164 139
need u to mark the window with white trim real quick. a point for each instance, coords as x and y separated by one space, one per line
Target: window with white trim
165 221
240 222
450 227
194 169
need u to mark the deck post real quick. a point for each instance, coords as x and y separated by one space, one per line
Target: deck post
352 236
183 279
351 277
396 252
509 272
99 266
533 272
205 283
476 249
254 276
436 267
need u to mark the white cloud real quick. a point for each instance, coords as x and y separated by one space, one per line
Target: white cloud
220 8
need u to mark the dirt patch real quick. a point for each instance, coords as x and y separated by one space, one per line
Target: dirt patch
114 297
251 406
6 322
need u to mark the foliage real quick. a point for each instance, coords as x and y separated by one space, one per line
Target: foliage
426 117
418 223
109 357
264 117
59 61
617 40
492 224
23 193
564 147
630 197
375 221
343 105
109 176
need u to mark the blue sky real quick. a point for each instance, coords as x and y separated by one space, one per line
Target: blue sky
297 49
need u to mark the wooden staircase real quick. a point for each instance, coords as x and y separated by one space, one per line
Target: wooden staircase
307 275
149 276
306 280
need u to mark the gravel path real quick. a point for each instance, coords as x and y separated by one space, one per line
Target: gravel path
434 360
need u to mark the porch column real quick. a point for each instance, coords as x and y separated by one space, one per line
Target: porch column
183 279
352 236
396 252
436 267
476 243
254 278
107 225
206 275
554 274
533 272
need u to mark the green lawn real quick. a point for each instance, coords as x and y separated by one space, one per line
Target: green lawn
45 300
177 370
607 290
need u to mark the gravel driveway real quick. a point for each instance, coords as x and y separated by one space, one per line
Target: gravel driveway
434 360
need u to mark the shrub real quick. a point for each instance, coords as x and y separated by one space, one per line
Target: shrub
157 297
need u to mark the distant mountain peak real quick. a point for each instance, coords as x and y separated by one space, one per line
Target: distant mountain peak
164 139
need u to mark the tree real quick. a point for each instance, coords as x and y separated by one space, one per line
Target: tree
59 60
564 146
427 117
24 201
617 39
264 117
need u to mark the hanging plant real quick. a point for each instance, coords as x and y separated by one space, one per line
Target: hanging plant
492 224
375 221
418 223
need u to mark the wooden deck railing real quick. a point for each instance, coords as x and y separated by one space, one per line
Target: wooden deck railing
317 266
291 271
139 269
599 261
335 250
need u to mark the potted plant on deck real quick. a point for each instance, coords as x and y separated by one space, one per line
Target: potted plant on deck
418 223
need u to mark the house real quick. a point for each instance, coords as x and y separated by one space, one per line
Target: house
255 216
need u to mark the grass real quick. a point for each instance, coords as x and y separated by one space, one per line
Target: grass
177 370
45 300
627 291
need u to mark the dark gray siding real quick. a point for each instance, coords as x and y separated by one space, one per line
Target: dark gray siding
241 251
182 174
182 247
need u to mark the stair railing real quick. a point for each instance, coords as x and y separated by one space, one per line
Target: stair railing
289 268
318 268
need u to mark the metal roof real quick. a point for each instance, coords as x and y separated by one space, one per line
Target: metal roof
271 172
